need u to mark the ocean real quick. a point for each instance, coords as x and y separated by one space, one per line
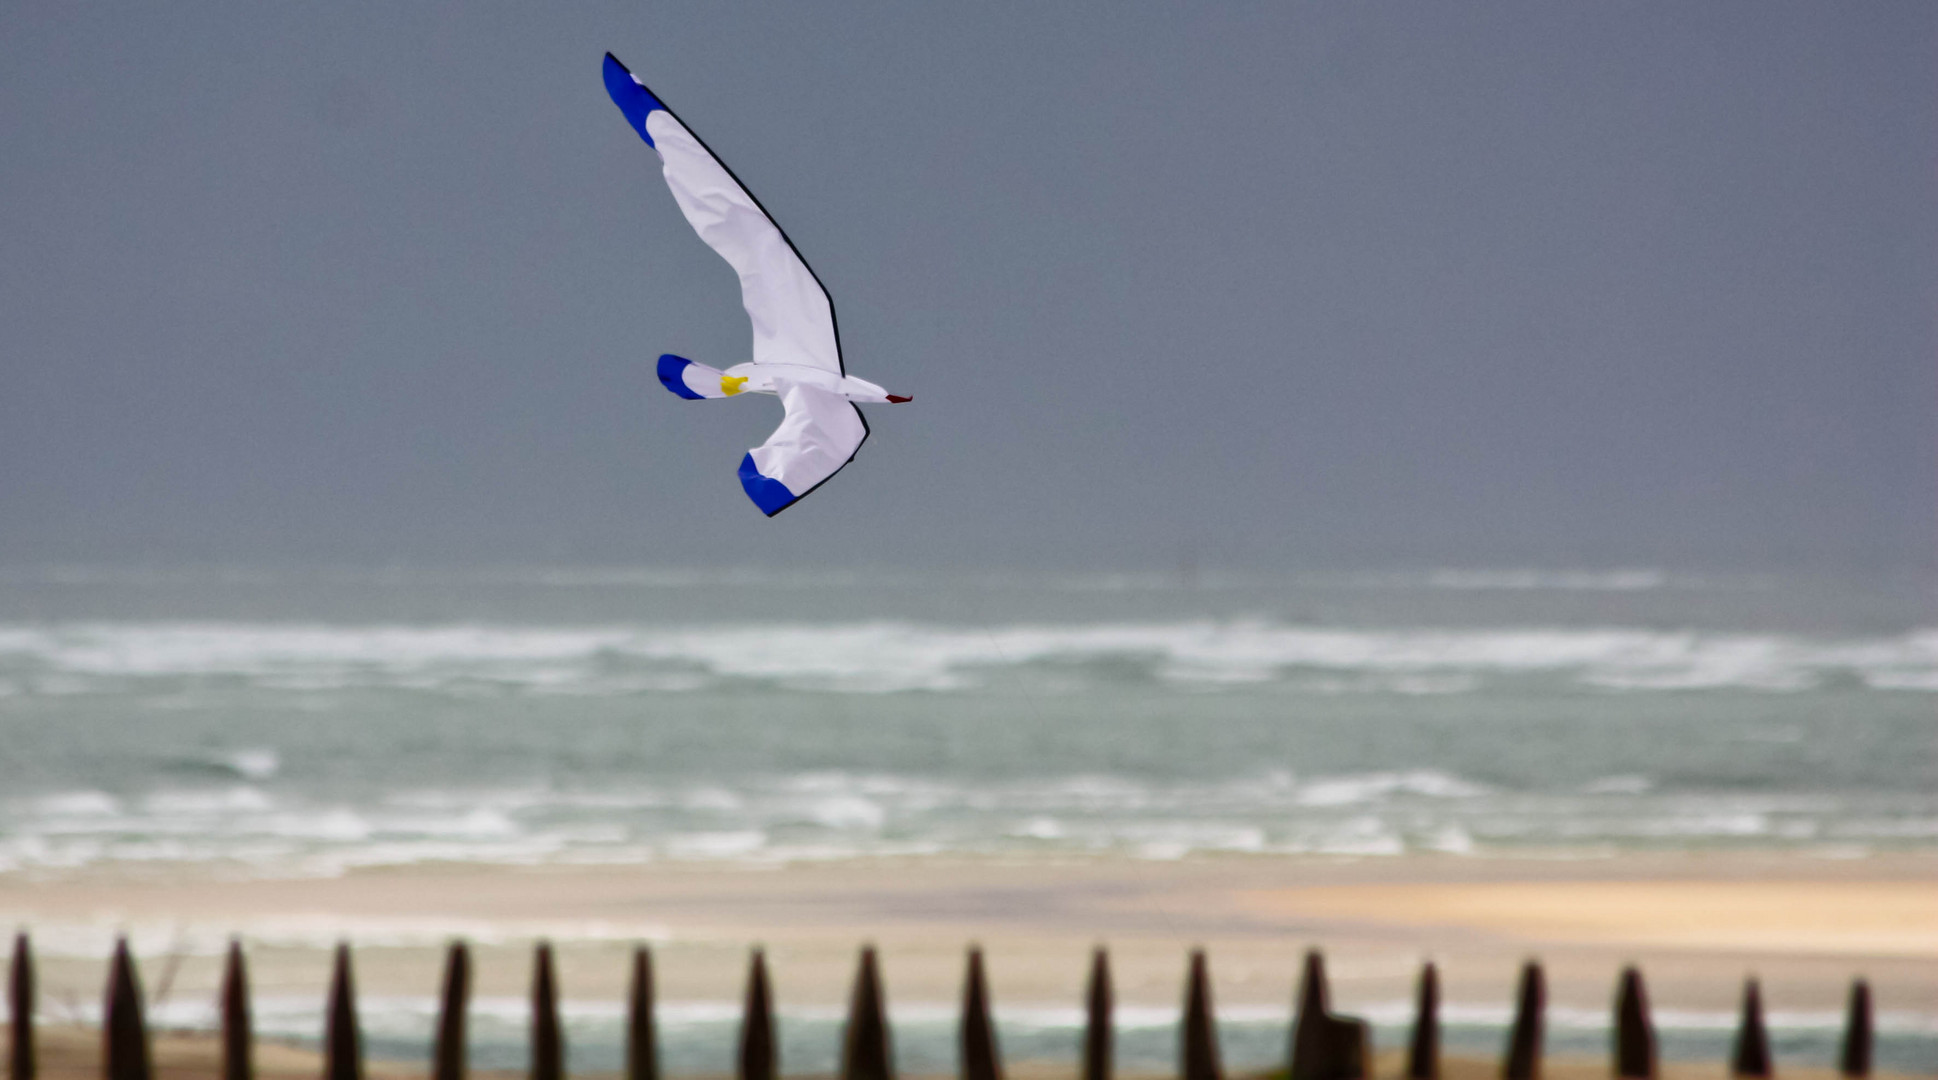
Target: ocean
309 722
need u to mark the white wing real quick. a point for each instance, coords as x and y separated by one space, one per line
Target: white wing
792 315
820 434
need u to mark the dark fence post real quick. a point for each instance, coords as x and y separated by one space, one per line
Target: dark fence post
124 1035
1524 1038
342 1044
1752 1054
757 1052
1423 1052
448 1053
1856 1058
1200 1042
1634 1036
1308 1029
20 1005
642 1036
980 1058
1097 1021
1324 1046
548 1046
237 1033
865 1051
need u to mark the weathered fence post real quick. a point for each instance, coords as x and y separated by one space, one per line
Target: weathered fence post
1423 1052
980 1058
757 1049
1856 1058
448 1053
1524 1038
1097 1019
865 1053
1324 1046
237 1034
1199 1050
1634 1036
642 1034
1752 1053
548 1046
20 1005
342 1044
124 1035
1309 1044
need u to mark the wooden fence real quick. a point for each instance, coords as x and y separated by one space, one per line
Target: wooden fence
1324 1044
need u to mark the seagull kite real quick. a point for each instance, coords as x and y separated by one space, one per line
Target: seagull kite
797 349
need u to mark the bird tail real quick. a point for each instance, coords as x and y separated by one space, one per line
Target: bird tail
696 382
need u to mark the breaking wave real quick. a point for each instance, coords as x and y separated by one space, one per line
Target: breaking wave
820 816
880 657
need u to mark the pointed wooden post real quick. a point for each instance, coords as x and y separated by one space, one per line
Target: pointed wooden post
1324 1046
980 1057
237 1032
342 1043
1308 1028
124 1035
1752 1053
758 1060
1634 1036
1523 1060
1856 1058
1199 1051
20 1008
642 1035
449 1055
865 1053
1097 1020
548 1046
1423 1051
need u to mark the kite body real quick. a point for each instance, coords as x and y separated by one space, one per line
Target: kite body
796 350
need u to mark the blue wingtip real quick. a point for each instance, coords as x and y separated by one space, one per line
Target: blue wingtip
633 99
768 493
672 375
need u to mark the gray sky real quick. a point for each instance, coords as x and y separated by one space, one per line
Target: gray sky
1274 285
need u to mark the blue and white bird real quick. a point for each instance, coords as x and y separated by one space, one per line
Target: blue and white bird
797 349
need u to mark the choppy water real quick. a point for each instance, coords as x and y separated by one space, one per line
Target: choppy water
306 722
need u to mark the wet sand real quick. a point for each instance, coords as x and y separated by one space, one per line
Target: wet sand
75 1054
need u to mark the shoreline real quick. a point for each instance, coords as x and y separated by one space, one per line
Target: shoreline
73 1053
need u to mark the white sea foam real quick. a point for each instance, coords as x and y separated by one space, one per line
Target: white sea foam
880 657
1039 828
846 812
86 804
1370 787
717 845
254 763
831 815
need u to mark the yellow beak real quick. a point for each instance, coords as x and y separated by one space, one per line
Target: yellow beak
730 384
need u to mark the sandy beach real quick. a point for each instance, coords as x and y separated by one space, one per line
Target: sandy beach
1696 923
